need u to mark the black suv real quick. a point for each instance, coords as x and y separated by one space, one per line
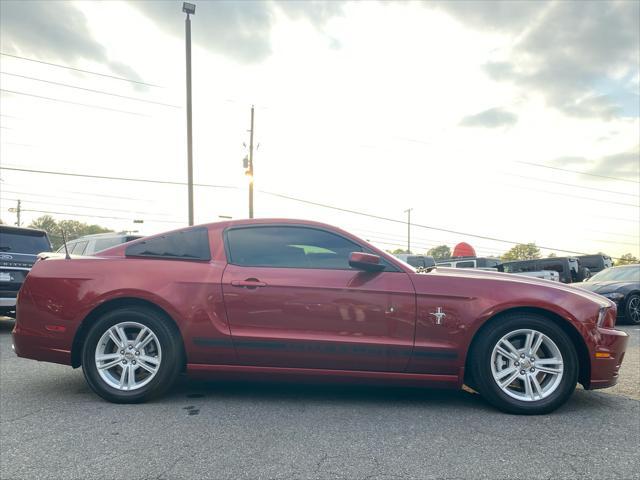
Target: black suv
596 263
569 268
19 248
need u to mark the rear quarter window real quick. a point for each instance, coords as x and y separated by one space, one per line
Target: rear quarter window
191 244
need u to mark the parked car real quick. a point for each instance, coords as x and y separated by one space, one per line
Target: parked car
417 261
595 263
620 285
470 262
90 244
493 264
273 298
18 250
568 268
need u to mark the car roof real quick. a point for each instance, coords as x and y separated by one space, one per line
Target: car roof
28 231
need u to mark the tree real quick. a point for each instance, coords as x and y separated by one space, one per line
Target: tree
552 255
522 251
399 251
441 252
626 259
72 229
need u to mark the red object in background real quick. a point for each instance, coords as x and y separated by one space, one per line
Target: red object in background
463 249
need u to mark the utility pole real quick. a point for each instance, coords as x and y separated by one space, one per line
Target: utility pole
189 8
251 166
408 212
18 209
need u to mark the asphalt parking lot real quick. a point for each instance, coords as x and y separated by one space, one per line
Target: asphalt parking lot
53 427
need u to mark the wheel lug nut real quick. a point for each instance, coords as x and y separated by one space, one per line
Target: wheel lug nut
137 352
517 364
522 372
121 352
522 355
134 362
124 362
533 359
130 347
532 369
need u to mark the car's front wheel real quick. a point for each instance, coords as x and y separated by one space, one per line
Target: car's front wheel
525 364
632 309
131 355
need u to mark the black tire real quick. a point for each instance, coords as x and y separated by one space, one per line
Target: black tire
171 346
631 303
483 377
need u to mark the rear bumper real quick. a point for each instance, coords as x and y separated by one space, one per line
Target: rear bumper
605 369
7 302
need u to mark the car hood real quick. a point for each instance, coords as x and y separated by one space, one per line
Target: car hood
603 287
516 280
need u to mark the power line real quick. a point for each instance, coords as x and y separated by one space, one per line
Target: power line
80 70
103 177
73 103
71 192
96 216
102 92
287 197
575 196
572 185
428 227
576 171
81 206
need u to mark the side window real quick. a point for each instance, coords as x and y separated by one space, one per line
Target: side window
79 247
104 243
556 267
191 244
290 247
443 264
466 264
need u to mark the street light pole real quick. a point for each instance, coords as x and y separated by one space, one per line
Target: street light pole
408 212
189 9
251 167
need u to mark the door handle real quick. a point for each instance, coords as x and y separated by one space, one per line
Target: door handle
248 283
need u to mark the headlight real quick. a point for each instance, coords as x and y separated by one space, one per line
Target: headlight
615 296
602 319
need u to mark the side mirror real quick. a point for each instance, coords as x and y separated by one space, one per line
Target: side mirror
365 261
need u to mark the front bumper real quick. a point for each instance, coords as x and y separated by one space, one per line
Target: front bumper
607 358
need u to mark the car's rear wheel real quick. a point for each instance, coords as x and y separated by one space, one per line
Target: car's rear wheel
131 355
525 364
632 309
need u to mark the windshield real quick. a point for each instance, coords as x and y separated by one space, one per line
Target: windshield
32 243
621 274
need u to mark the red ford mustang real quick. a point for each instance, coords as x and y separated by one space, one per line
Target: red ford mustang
303 299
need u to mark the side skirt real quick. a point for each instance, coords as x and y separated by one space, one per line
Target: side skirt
205 371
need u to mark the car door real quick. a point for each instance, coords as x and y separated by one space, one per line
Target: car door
292 300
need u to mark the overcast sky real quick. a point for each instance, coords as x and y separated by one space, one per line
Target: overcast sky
478 115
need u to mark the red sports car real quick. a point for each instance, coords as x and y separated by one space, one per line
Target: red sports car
307 300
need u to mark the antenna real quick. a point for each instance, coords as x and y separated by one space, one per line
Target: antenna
66 250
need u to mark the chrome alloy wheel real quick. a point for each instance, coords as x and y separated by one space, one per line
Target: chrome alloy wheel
634 309
527 365
128 356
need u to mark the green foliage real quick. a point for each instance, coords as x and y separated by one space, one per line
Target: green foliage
522 251
441 252
399 250
72 229
626 259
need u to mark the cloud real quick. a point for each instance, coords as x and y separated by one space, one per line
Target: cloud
240 30
492 118
581 56
53 31
624 164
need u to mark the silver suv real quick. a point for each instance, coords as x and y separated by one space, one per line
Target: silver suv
90 244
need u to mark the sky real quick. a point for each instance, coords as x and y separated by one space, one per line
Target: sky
514 121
